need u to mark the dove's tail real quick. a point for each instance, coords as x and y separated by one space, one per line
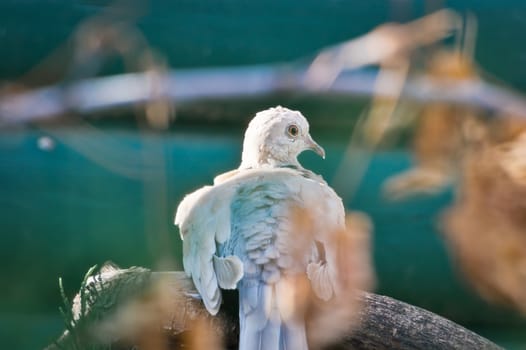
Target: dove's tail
262 323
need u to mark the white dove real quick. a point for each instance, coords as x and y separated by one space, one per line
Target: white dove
239 233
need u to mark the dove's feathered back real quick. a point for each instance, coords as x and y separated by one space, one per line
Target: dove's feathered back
240 232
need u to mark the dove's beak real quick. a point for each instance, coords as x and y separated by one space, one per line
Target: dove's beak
312 145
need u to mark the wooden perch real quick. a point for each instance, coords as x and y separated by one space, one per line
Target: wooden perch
387 323
171 306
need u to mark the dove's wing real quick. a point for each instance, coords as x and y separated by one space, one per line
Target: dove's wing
328 221
203 218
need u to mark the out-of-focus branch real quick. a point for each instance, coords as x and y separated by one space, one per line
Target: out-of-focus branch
387 45
338 69
385 322
184 86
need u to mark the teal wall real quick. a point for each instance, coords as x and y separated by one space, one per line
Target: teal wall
194 33
109 192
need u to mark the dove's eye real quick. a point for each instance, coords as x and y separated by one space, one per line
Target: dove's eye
292 130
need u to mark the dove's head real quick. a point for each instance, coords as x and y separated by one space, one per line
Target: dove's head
276 137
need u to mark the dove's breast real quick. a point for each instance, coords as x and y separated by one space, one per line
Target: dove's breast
261 221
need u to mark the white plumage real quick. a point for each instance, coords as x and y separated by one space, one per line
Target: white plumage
243 233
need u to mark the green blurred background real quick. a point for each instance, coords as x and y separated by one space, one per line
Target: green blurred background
81 193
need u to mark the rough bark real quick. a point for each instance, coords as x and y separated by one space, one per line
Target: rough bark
385 323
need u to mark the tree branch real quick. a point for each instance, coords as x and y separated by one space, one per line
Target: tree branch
385 323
